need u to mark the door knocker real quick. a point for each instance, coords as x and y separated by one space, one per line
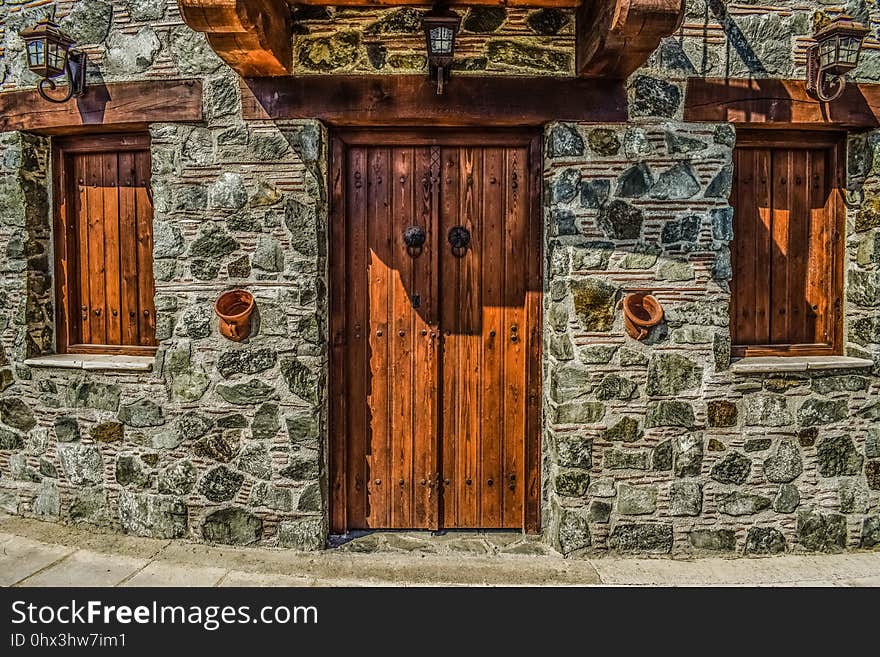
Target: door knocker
459 238
414 237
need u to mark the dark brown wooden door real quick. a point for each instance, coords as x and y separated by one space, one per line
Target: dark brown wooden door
785 292
435 350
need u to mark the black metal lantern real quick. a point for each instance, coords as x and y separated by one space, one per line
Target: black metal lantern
835 53
50 56
440 25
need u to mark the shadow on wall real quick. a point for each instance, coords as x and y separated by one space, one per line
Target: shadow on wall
672 53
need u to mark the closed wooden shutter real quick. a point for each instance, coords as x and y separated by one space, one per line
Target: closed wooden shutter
105 247
785 292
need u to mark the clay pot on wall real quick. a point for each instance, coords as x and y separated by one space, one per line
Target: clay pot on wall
641 313
234 308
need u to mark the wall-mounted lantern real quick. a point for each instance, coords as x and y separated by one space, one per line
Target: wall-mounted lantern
50 55
835 53
441 25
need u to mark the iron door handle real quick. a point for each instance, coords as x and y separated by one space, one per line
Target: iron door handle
459 239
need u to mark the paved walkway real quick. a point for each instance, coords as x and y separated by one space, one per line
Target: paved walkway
34 553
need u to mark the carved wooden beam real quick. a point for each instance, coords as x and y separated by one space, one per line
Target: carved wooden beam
398 100
252 36
615 37
104 107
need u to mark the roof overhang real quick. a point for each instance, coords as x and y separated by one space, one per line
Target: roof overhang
614 37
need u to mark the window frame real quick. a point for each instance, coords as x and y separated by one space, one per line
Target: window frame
65 237
835 142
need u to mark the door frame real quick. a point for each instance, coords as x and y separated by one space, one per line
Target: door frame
340 140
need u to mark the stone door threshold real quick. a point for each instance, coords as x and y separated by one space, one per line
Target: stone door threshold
94 362
445 542
773 364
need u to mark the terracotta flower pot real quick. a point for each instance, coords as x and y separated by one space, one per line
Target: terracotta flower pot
641 312
234 308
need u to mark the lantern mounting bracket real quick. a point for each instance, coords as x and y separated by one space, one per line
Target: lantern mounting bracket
835 53
77 62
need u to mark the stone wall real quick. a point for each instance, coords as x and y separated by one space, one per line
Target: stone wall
221 441
657 446
650 447
492 40
758 40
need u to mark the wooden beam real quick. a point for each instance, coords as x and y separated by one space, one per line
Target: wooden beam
253 36
615 37
557 4
779 102
395 100
114 106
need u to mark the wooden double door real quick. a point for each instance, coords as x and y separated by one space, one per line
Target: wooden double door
435 257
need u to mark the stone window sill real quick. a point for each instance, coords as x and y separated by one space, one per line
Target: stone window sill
781 364
93 362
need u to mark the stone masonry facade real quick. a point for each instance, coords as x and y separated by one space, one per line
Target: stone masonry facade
650 447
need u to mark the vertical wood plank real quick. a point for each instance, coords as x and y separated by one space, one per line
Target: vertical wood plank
80 184
97 252
340 341
401 338
425 357
379 451
112 273
358 356
531 518
783 191
801 320
819 289
467 379
128 311
492 187
144 211
66 299
517 332
763 234
450 326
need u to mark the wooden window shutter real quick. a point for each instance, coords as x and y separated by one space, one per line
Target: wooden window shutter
787 251
104 245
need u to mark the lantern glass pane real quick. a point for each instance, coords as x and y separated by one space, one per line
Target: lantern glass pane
849 50
56 55
827 52
441 40
36 53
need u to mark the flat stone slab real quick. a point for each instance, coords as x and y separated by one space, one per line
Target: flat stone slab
773 364
21 557
161 573
93 362
451 542
87 568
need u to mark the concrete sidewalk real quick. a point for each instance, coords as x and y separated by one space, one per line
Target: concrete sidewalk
34 553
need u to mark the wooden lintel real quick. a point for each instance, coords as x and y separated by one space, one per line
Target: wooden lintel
615 37
253 36
412 100
114 106
779 103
